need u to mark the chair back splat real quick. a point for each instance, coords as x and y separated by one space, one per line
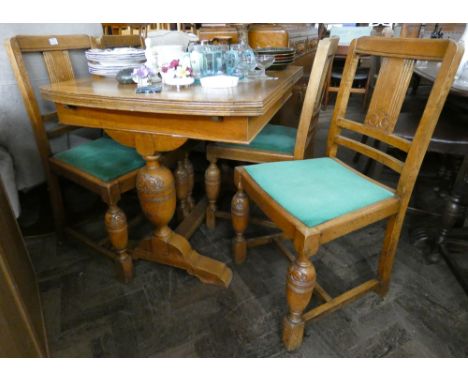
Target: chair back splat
55 52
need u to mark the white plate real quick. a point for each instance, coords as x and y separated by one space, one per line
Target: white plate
117 56
115 52
109 71
108 62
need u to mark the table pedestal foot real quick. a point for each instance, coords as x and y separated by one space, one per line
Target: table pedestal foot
157 194
176 251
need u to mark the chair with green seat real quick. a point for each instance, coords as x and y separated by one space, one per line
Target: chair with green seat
275 142
103 166
315 201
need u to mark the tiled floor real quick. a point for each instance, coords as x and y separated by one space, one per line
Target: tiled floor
164 312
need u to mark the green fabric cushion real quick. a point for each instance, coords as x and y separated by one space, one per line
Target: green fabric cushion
276 138
316 190
103 158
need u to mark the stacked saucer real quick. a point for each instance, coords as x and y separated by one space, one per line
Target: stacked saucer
283 56
108 62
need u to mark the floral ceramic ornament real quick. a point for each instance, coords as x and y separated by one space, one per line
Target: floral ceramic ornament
177 73
143 75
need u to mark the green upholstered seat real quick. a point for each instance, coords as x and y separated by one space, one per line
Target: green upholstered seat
103 158
316 190
277 138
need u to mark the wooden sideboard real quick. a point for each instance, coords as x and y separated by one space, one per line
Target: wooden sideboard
210 32
304 38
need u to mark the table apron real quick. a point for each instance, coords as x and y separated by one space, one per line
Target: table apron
233 129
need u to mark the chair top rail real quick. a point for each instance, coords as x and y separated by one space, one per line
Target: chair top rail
408 48
52 42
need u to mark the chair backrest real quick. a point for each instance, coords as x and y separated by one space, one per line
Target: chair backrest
117 41
398 57
55 52
313 97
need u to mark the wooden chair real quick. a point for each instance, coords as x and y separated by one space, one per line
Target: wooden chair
102 166
274 142
317 200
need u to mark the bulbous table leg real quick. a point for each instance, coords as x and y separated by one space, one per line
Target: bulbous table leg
156 191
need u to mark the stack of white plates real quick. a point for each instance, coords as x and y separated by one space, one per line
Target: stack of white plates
108 62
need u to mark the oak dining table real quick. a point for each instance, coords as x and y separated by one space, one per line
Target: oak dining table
157 123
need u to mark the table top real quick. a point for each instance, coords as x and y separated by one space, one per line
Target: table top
429 70
247 99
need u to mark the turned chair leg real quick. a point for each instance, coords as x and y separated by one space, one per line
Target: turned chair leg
117 229
182 185
300 285
191 181
240 221
387 257
212 187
